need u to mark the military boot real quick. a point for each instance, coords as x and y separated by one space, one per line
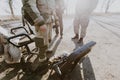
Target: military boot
76 36
80 40
39 42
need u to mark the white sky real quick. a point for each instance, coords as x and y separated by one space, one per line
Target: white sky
115 7
70 4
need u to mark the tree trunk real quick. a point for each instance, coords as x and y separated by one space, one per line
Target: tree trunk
11 8
108 5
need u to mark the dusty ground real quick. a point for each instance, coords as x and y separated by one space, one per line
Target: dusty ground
102 63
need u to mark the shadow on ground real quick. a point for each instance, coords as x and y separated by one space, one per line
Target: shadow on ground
83 70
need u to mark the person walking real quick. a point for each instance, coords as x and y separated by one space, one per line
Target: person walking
84 8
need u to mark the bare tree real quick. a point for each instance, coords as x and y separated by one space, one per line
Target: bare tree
108 5
11 7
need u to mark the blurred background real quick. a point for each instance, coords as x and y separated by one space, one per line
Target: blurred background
13 7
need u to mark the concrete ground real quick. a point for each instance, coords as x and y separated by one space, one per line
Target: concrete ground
102 63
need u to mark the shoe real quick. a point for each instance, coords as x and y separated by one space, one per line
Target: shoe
49 40
56 35
43 67
75 37
80 40
61 35
38 62
56 29
49 51
42 60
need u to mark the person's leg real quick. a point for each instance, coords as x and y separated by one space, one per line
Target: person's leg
41 42
1 44
60 23
49 32
56 26
49 50
76 27
84 24
57 23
